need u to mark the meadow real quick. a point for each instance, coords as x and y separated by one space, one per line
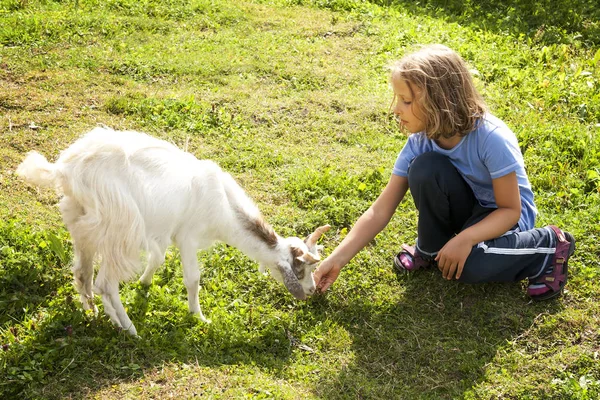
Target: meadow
292 98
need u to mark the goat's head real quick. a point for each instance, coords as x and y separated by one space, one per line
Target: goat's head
298 260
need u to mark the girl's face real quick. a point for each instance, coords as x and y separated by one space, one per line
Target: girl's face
406 107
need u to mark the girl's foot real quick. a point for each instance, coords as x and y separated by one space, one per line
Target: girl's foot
409 259
551 283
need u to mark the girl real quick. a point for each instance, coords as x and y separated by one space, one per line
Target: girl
466 174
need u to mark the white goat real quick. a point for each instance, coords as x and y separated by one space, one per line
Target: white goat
126 193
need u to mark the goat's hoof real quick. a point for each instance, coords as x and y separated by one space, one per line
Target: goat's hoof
90 307
93 308
145 282
203 319
131 331
93 311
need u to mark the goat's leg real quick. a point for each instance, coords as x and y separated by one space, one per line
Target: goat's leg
83 265
156 258
113 307
83 276
191 279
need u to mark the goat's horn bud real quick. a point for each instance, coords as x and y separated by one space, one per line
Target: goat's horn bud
312 239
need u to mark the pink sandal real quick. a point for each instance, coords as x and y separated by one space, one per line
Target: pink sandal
551 284
409 259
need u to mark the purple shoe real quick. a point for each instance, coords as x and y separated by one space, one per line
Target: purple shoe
551 283
409 259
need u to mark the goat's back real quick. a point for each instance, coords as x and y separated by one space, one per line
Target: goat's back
134 188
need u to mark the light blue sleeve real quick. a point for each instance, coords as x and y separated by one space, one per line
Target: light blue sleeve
502 154
416 145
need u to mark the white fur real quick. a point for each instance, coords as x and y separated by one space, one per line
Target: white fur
126 193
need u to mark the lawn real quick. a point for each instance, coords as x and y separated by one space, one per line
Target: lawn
292 98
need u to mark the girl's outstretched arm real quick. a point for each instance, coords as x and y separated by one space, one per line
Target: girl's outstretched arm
366 228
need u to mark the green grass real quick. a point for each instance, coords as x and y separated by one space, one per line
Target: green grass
292 98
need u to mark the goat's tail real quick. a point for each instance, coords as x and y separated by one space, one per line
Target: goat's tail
101 181
99 208
37 170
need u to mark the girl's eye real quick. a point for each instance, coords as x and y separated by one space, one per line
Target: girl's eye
407 103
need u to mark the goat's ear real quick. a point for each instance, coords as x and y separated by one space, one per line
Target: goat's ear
308 258
291 281
305 257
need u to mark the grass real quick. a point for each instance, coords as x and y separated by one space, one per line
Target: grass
292 98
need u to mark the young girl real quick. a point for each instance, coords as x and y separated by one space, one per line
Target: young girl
466 174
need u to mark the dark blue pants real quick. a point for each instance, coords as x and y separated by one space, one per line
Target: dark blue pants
447 206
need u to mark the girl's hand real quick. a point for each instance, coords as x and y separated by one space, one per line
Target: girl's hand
326 274
452 257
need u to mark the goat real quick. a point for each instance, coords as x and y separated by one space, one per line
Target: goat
125 193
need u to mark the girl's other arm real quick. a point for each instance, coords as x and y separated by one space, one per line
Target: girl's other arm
366 228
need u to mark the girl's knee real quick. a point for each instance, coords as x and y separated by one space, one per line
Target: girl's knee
427 165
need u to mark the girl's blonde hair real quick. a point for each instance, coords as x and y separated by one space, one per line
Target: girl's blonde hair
448 97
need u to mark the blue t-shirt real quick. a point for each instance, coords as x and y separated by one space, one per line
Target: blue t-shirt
490 151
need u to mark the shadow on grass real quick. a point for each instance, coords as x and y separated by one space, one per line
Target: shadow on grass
436 342
545 21
30 272
87 355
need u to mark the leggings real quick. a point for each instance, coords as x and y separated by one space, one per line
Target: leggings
447 206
